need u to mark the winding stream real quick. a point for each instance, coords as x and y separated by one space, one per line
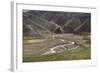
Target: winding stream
54 49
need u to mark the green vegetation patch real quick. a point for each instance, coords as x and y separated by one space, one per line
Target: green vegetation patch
76 54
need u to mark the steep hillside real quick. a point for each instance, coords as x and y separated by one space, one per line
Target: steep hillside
50 22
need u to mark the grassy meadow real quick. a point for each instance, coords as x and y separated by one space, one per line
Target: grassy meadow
81 53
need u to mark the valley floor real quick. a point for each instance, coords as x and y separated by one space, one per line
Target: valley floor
55 49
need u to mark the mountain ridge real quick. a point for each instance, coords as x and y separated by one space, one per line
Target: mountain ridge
50 22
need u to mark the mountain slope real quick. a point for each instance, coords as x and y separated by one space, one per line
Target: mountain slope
50 22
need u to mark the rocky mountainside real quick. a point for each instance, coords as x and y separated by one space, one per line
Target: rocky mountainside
50 22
